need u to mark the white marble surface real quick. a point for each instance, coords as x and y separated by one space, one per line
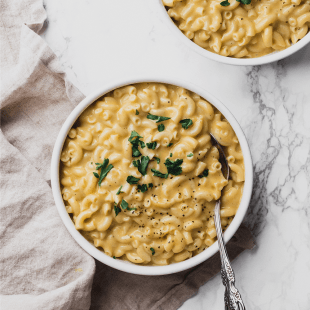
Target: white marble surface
99 40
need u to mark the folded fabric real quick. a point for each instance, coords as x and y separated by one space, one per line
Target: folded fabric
113 289
41 266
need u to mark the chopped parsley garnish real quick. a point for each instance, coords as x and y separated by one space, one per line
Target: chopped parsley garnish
134 139
225 3
152 250
104 170
190 155
151 145
104 164
132 180
186 123
169 144
137 112
204 174
173 167
114 257
171 154
142 188
159 174
133 135
157 118
142 164
119 190
244 1
150 185
124 204
157 159
117 209
135 150
161 127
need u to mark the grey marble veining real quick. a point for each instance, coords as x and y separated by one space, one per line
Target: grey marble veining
100 40
279 127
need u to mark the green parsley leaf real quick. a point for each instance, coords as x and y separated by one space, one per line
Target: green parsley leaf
159 174
246 2
171 155
135 151
161 127
150 185
157 159
157 118
124 204
151 145
116 209
114 257
186 123
152 250
162 118
96 175
142 188
132 180
152 117
190 155
104 173
169 144
204 174
134 139
119 190
133 135
137 112
104 164
225 3
104 170
173 167
142 164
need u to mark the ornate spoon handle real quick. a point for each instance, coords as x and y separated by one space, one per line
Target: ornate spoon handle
232 297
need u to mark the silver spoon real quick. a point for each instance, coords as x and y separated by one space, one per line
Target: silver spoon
232 297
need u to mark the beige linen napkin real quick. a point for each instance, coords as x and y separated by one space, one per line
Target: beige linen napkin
41 266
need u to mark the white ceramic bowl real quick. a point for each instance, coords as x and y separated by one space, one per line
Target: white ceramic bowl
228 60
120 264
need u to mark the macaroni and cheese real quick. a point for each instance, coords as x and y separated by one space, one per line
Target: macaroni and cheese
231 28
139 174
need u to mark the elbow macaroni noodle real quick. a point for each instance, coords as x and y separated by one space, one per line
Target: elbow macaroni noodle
173 220
239 30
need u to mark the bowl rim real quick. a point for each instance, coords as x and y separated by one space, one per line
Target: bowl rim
120 264
269 58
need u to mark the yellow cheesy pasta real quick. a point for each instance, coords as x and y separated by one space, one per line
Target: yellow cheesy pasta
231 28
140 177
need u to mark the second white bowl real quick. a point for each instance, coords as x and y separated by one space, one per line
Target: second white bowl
228 60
